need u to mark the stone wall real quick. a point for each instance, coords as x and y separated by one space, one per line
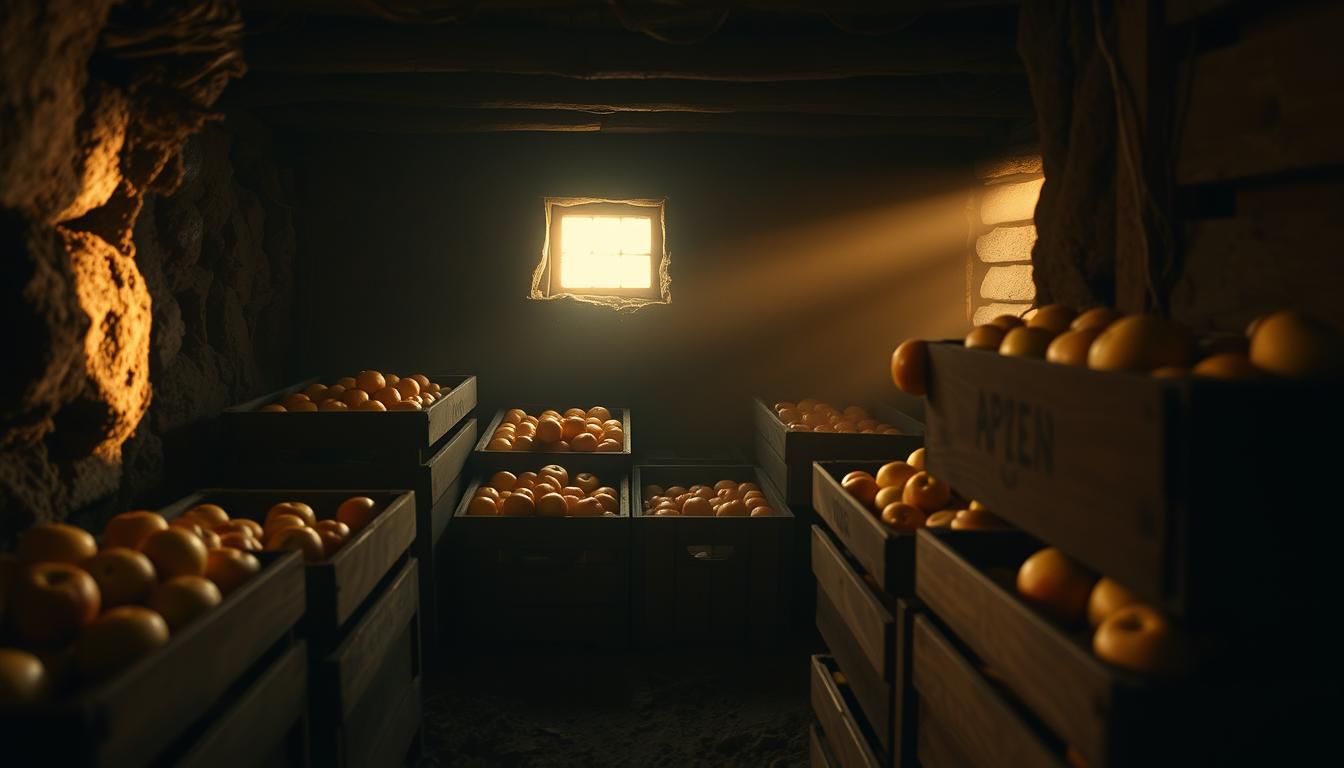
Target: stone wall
1000 271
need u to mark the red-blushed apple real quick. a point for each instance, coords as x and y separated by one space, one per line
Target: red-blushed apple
52 602
1227 365
926 492
1107 597
1007 322
985 337
1140 343
910 367
1054 318
1058 586
1026 342
1096 317
1296 345
1140 639
1070 347
903 518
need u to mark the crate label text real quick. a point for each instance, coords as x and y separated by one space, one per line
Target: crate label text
1022 434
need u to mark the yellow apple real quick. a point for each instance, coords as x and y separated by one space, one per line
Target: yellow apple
1298 346
1054 583
1140 343
1026 341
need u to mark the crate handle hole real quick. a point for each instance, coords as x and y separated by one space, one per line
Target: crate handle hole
711 552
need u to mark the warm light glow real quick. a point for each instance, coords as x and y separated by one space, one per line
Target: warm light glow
606 251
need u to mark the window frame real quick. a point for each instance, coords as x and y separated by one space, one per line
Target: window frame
558 207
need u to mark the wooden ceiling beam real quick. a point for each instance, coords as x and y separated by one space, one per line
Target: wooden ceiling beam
441 7
618 54
402 120
932 96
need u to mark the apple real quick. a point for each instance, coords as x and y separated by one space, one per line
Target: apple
303 539
1096 317
895 474
118 639
941 519
1054 318
52 602
910 367
175 552
889 495
1227 365
1056 584
357 512
1026 342
124 576
985 337
55 543
230 568
183 599
1107 597
861 486
1140 639
1007 322
209 515
297 508
977 519
927 492
1070 347
1295 345
23 679
902 517
916 459
1140 343
128 529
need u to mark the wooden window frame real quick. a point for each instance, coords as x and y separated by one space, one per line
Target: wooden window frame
558 207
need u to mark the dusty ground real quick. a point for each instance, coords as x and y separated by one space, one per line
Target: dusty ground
632 710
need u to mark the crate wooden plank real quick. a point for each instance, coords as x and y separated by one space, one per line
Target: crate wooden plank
433 554
977 717
710 579
887 556
874 695
868 620
819 752
937 748
340 584
1267 103
833 712
133 717
1032 441
383 724
396 436
777 445
262 721
1111 717
353 665
575 461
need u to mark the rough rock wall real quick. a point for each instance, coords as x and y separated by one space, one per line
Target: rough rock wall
96 100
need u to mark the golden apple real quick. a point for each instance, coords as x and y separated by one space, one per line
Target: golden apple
1054 583
118 639
183 599
985 337
902 517
895 474
1107 597
1026 341
1139 638
55 543
910 367
1007 322
927 492
941 519
124 576
23 679
1140 343
1296 345
1070 347
977 519
916 459
128 529
1227 365
1054 318
52 602
1096 317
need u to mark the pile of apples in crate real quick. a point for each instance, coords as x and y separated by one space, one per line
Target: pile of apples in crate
906 498
574 430
544 493
73 613
726 498
812 415
369 391
1289 344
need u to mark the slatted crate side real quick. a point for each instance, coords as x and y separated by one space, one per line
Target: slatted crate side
133 717
340 584
833 705
888 556
866 615
937 747
574 461
1111 717
395 437
711 579
989 731
819 752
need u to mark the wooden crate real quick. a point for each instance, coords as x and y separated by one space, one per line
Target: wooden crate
818 751
711 580
542 581
339 585
139 716
937 747
886 555
367 690
1111 717
978 722
266 724
516 461
787 456
833 704
868 634
1134 476
393 437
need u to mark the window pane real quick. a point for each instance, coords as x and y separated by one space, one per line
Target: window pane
606 251
635 271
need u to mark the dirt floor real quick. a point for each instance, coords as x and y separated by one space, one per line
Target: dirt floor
628 710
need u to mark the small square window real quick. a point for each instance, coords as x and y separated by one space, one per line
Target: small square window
603 251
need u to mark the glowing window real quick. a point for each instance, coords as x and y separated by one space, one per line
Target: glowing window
603 248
